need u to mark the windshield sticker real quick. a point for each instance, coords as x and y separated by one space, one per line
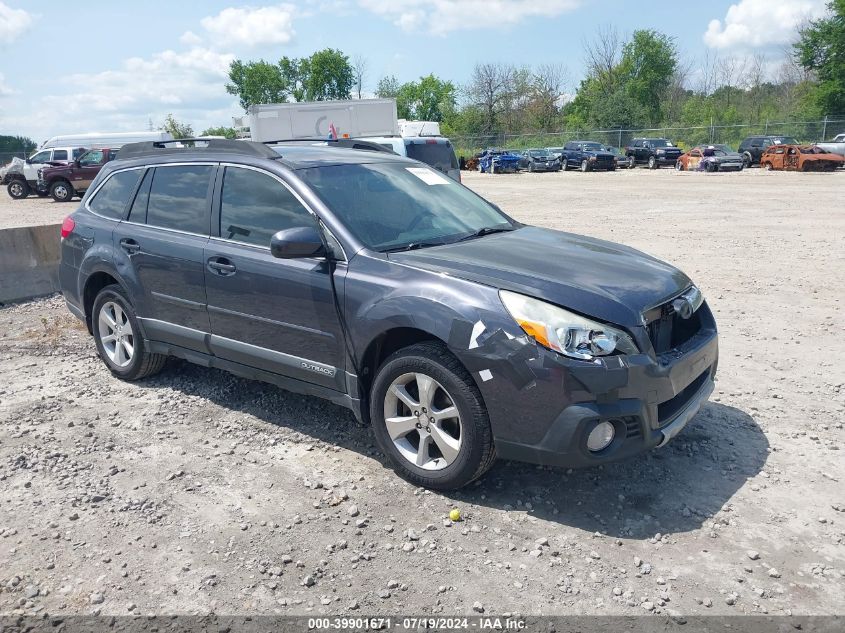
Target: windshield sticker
428 176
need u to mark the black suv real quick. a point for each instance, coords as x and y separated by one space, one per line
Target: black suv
754 146
654 152
382 285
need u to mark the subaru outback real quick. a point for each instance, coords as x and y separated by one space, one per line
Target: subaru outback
458 333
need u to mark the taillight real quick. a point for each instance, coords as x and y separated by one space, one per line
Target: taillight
67 226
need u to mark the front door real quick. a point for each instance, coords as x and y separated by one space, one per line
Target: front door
161 244
278 315
792 157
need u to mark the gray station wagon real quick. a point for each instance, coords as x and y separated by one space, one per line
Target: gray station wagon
459 334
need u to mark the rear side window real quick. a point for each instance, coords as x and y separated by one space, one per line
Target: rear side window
178 198
138 212
441 156
60 154
254 206
111 199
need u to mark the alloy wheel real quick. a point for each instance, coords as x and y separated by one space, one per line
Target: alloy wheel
116 335
423 421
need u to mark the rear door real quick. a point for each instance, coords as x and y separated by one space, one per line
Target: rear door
278 315
160 246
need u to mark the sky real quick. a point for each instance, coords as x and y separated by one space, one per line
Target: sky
116 66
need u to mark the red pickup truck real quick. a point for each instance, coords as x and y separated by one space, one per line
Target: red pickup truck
64 181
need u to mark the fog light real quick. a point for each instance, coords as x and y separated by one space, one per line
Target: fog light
600 437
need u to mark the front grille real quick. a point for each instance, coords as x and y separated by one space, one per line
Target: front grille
667 330
667 410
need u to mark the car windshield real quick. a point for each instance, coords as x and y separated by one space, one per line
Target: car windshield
391 206
539 153
725 148
660 142
784 140
592 147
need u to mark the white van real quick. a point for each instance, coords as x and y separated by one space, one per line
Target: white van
434 151
98 140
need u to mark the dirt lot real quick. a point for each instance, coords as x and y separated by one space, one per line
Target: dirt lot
196 491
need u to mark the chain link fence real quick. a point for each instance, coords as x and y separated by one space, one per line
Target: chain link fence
686 137
6 157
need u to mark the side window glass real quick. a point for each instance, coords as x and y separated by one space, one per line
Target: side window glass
254 206
40 157
138 212
178 198
79 151
94 157
111 199
60 154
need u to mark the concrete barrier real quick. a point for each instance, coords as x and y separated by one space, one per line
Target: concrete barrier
29 262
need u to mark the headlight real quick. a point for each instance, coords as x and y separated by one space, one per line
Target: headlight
661 151
562 331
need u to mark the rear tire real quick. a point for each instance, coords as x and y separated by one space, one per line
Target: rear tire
118 337
652 162
632 162
62 191
585 166
468 439
18 189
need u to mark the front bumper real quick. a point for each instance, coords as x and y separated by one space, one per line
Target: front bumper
648 399
667 160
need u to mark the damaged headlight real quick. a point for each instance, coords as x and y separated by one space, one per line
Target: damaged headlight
565 332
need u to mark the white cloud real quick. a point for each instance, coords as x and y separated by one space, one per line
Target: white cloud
13 22
189 84
190 38
5 91
760 23
439 17
251 26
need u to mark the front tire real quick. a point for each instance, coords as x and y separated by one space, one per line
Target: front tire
429 418
679 166
117 335
18 189
62 191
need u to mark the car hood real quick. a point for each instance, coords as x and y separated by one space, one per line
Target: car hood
730 158
601 279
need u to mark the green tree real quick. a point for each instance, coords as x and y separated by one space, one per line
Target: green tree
228 132
429 99
649 60
177 129
328 75
387 88
821 49
16 145
256 82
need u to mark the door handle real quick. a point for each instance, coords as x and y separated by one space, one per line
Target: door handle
221 266
129 245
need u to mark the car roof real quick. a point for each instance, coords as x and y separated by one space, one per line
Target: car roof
295 155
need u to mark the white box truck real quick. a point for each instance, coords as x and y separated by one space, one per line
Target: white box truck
313 120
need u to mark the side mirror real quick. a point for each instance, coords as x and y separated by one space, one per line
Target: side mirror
297 243
29 161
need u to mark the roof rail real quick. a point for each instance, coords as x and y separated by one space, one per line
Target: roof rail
202 145
348 143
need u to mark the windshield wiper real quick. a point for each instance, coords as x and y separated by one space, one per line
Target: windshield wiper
487 230
411 247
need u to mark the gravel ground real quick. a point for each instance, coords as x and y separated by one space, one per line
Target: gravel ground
197 492
32 210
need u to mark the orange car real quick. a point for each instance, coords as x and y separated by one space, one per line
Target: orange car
800 158
710 158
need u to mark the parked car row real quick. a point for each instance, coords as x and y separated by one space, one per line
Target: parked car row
770 152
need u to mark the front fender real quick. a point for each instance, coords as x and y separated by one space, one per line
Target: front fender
468 317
